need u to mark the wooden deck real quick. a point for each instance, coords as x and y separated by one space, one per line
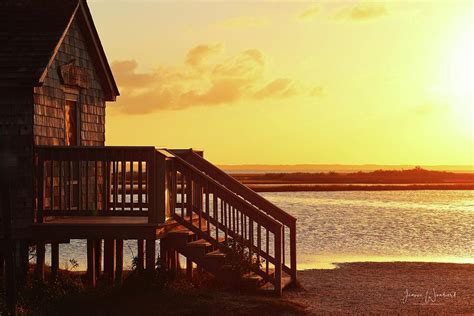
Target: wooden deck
102 227
110 194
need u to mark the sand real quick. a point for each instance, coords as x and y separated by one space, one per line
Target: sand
387 288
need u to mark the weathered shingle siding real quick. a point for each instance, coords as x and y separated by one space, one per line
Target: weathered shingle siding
49 99
35 116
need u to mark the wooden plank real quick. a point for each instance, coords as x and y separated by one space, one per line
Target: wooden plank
40 256
140 254
98 257
119 261
54 259
150 254
91 262
109 260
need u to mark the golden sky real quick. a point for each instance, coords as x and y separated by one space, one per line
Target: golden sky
274 82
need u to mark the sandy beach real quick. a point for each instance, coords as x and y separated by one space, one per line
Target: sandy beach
399 288
387 288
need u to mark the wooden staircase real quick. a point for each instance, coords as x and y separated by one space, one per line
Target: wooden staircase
234 225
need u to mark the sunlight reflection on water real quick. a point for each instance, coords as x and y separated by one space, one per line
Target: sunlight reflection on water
353 226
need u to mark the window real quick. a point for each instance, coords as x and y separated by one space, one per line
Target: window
70 112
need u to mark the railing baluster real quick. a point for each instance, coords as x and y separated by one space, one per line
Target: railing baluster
60 162
199 200
96 185
259 243
79 186
51 195
208 226
224 204
115 184
123 165
251 239
140 184
87 184
215 206
70 185
131 185
267 250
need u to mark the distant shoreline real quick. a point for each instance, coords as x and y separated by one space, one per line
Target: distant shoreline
352 187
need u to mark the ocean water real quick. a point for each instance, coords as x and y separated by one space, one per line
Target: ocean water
332 227
435 226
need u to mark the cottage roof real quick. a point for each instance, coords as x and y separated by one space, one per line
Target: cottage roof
31 32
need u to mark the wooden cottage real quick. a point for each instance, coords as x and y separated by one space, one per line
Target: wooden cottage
59 181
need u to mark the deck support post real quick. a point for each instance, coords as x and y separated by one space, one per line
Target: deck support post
173 264
164 263
278 261
91 262
10 278
189 269
40 256
22 261
2 264
98 257
293 252
54 259
109 260
150 254
140 254
119 260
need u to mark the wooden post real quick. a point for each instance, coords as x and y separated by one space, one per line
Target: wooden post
2 264
151 187
150 254
189 269
140 254
293 251
119 260
40 254
91 262
10 269
278 261
109 260
23 263
172 256
54 259
98 257
10 278
161 194
163 255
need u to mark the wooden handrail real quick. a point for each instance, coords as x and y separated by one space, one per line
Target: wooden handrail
251 197
238 219
250 210
235 186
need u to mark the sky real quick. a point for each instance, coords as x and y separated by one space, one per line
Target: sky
272 82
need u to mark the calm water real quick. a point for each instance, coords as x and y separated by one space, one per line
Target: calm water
366 226
381 225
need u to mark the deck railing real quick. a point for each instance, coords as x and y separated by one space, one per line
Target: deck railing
287 221
105 181
226 218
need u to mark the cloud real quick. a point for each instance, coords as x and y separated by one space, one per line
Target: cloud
242 22
309 13
199 81
198 54
361 12
278 88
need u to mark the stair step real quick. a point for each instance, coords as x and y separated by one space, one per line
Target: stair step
215 254
199 243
